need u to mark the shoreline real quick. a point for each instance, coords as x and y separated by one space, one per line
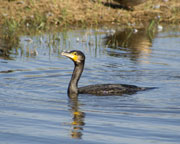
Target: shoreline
18 15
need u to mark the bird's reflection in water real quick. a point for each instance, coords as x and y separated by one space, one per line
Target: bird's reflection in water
77 119
135 43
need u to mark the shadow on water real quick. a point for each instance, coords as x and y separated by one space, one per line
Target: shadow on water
135 43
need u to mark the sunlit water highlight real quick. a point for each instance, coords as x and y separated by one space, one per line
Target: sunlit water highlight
35 109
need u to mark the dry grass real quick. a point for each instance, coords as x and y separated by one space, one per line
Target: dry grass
40 14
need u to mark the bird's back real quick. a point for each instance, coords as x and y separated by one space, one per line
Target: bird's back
109 89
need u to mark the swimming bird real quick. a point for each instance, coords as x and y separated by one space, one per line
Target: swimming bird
98 89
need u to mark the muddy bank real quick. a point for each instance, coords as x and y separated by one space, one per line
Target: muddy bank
42 14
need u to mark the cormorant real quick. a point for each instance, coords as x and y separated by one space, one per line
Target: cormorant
98 89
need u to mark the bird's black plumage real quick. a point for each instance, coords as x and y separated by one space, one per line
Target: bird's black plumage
98 89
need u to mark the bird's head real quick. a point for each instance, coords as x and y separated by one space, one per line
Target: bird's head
75 55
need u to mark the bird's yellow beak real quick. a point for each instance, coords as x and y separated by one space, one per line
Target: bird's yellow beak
70 55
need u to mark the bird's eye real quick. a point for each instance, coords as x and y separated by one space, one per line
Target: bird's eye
75 53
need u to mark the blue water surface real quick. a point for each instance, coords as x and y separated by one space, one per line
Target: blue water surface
35 108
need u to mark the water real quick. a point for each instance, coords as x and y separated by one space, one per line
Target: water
34 106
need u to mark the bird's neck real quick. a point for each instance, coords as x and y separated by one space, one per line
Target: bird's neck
73 84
